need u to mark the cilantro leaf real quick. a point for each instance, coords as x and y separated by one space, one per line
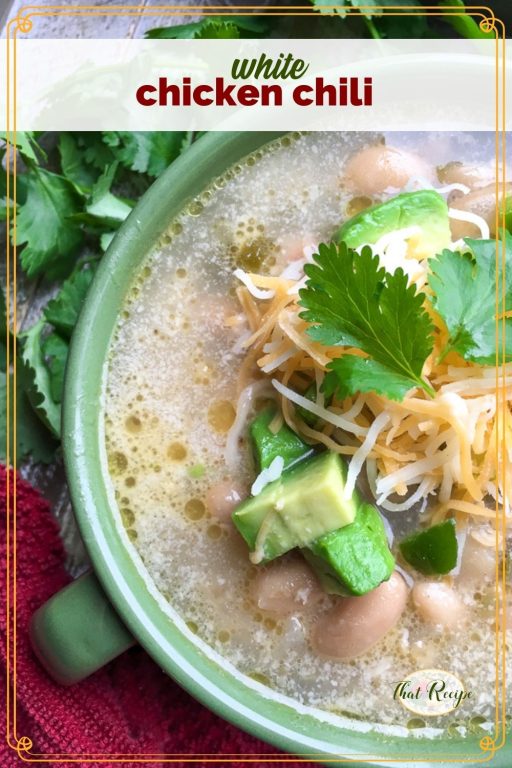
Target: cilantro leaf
211 27
95 150
349 374
32 439
505 210
465 293
6 337
105 240
367 8
38 383
3 175
55 350
73 164
326 6
106 208
62 311
350 300
26 144
43 224
146 151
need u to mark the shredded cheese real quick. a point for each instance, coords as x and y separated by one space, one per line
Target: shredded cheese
450 448
322 413
472 218
253 290
358 459
244 406
268 475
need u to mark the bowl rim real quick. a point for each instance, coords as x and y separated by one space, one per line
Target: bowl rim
247 706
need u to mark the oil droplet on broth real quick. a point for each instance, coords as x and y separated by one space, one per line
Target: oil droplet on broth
194 509
117 463
133 424
260 678
221 416
195 208
358 204
256 254
214 531
416 722
176 452
127 517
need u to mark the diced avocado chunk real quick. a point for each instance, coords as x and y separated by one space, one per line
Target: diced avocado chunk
356 557
268 445
306 502
326 576
433 551
425 209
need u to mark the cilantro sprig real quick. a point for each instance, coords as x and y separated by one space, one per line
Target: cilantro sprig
419 24
350 300
369 20
469 293
213 27
72 196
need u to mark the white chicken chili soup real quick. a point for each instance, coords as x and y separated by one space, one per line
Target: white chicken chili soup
222 397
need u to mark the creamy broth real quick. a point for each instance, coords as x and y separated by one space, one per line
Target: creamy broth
173 384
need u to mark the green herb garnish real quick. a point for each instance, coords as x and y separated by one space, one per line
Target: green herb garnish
351 301
466 288
213 27
409 25
147 151
70 197
196 471
43 225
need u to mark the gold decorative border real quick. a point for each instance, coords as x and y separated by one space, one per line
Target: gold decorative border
23 23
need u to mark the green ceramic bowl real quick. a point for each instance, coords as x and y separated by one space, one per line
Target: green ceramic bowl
98 617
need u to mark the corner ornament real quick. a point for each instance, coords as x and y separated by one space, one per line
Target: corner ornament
23 24
488 23
23 746
488 744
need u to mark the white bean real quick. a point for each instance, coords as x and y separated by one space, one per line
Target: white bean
355 624
222 498
293 247
285 587
459 173
437 603
374 169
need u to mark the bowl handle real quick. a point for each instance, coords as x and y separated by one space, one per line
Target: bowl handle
77 631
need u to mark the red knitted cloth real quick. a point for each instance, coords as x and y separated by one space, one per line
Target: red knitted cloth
129 708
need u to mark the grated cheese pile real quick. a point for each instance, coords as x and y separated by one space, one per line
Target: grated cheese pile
451 453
